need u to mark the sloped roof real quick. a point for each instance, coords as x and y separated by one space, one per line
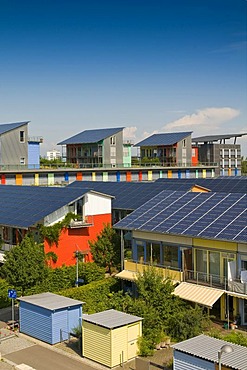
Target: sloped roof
11 126
91 136
207 348
111 319
164 139
210 215
24 206
50 301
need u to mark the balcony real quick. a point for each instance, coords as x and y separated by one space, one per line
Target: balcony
137 267
202 278
87 221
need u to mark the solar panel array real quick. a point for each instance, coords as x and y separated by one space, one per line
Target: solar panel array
169 138
23 206
91 136
128 195
231 184
206 215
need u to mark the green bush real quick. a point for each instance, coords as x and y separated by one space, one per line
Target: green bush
145 347
4 300
236 338
94 295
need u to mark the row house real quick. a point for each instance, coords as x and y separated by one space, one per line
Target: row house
199 241
25 208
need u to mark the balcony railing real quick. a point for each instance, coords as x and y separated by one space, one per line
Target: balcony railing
168 272
203 278
85 222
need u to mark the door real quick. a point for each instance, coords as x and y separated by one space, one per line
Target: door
133 333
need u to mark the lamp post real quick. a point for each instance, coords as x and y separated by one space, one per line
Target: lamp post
224 349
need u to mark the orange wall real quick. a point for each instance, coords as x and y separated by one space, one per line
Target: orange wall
194 158
77 239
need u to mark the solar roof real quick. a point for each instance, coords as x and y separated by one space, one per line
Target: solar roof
50 301
164 139
231 184
206 215
11 126
24 206
91 136
131 195
111 319
210 138
207 348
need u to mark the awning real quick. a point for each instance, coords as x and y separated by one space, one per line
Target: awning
200 294
127 275
238 295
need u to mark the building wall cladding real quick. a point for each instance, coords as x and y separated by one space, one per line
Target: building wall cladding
36 322
33 155
183 361
12 150
48 325
77 239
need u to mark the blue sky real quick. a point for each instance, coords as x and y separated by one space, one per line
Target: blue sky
148 65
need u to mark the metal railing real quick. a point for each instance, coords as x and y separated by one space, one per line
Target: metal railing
203 278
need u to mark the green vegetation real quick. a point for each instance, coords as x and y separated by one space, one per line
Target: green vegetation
232 337
24 265
52 233
244 166
106 249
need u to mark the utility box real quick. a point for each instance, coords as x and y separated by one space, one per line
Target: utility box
49 317
110 337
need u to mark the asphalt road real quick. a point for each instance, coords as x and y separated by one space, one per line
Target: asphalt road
41 358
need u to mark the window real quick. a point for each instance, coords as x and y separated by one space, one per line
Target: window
184 143
22 136
22 160
170 256
113 140
113 151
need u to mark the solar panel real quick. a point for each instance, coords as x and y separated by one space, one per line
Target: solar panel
191 214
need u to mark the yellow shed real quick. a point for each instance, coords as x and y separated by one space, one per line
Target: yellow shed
110 337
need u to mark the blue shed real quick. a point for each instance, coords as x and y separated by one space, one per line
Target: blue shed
49 317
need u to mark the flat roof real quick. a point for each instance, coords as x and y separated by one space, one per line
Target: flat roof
207 348
50 301
111 319
210 138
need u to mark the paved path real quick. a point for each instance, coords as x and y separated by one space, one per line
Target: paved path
41 358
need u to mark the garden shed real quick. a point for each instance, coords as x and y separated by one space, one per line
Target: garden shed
202 352
110 337
49 317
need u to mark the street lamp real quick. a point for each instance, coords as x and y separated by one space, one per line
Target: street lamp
224 349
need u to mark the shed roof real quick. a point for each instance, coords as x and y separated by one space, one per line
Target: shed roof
24 206
164 139
210 215
50 301
111 319
11 126
207 348
211 138
91 136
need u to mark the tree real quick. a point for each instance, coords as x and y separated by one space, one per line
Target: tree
106 249
24 265
243 166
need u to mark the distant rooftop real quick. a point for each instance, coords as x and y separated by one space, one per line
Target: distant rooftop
91 136
212 138
5 127
164 139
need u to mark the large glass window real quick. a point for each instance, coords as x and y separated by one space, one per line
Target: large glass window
214 263
153 253
170 256
140 252
201 260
